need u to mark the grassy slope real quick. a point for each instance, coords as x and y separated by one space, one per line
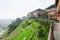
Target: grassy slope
27 30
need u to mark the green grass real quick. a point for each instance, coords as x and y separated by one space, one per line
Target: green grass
28 30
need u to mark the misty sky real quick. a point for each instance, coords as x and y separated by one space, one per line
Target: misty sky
11 9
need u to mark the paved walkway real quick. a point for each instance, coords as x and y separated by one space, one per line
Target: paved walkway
56 31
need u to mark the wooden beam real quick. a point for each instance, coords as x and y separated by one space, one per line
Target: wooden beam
56 2
58 6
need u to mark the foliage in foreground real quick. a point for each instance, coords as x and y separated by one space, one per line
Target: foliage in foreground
14 24
30 29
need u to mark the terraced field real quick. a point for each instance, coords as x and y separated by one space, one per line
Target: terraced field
30 29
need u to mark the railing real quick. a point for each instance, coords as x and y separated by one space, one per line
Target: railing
50 36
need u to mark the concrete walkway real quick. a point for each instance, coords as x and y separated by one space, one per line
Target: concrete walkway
56 31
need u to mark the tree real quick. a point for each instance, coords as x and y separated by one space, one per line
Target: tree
14 24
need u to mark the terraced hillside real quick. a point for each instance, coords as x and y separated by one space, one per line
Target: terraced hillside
30 29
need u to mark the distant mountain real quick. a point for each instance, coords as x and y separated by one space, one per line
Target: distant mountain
5 23
52 6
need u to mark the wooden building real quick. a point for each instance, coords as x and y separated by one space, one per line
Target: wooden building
35 13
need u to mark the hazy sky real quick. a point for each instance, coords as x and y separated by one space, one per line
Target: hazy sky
11 9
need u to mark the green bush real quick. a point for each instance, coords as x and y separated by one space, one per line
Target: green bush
30 29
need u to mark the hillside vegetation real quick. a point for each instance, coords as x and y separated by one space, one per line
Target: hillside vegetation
30 29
